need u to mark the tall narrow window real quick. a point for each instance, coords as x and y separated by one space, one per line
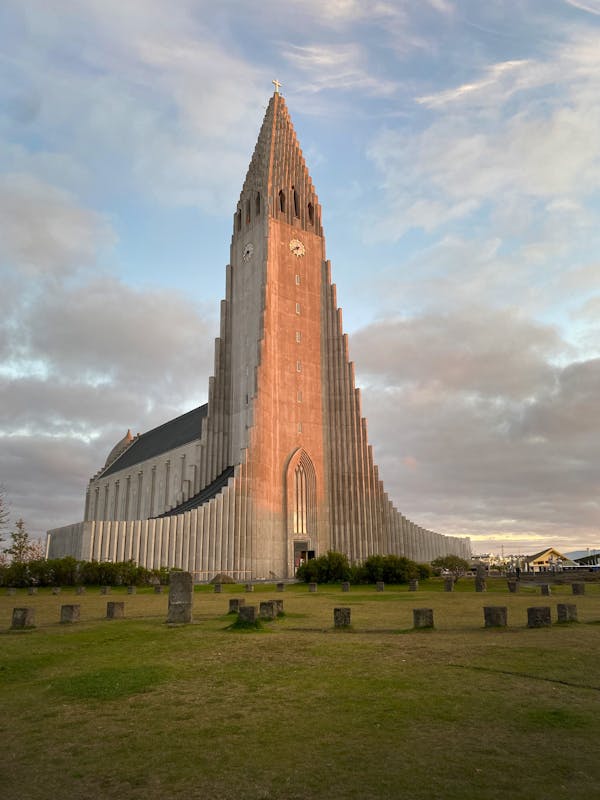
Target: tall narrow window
247 212
127 493
298 366
299 397
299 427
297 280
238 220
167 482
296 204
257 204
297 308
139 495
152 491
116 502
105 511
282 201
298 337
311 213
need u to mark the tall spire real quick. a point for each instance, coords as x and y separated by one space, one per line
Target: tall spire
278 179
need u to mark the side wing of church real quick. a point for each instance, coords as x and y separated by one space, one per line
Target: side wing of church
276 467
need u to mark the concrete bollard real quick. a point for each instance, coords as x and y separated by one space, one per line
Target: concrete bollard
70 613
55 590
218 588
158 589
346 586
235 604
267 609
312 587
115 609
538 617
566 612
380 586
341 617
480 584
23 618
31 590
281 587
80 590
181 595
11 591
448 584
247 614
278 607
578 588
413 585
423 617
105 590
131 590
249 587
513 585
495 616
545 589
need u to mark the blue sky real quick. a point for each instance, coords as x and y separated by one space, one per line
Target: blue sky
455 148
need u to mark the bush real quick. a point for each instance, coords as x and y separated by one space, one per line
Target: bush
331 568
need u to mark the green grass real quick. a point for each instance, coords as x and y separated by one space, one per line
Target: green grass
135 708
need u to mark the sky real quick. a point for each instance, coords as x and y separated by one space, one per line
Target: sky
455 148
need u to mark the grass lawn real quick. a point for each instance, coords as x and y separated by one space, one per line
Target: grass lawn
133 708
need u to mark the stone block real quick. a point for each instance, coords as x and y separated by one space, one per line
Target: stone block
380 586
249 587
281 587
70 613
578 588
267 609
158 589
278 606
131 590
413 585
545 589
346 586
423 617
538 617
11 591
247 614
341 617
115 609
80 590
480 584
105 590
218 588
31 590
312 587
513 585
566 612
235 603
495 616
181 595
55 590
23 618
449 584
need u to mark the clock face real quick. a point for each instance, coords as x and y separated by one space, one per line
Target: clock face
297 248
248 250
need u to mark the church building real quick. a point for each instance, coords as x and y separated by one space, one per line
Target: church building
276 467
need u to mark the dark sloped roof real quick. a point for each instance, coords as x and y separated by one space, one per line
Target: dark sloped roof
174 433
204 496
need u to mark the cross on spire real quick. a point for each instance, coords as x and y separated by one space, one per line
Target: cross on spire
277 85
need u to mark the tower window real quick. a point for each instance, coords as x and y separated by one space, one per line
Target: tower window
282 201
299 397
299 427
297 308
247 212
297 280
298 366
311 213
257 204
238 219
296 204
298 337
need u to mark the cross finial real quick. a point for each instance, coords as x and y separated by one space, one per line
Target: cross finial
277 85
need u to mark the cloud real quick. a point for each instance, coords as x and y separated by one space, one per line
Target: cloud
591 6
477 430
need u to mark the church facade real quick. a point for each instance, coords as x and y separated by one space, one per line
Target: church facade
276 467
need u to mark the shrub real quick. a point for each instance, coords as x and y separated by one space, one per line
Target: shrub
330 568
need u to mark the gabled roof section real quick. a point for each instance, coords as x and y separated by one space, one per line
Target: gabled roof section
174 433
546 550
278 172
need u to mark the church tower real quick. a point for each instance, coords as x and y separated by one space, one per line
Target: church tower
278 468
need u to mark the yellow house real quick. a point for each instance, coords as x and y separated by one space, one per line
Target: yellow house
548 560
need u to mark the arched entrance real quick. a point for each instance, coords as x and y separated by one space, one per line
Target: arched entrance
301 496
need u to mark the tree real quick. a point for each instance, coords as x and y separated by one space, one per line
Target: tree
22 549
456 565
